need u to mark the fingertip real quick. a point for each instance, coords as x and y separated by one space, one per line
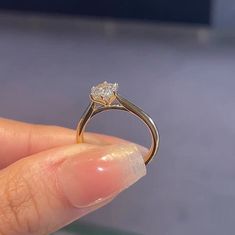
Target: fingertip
101 139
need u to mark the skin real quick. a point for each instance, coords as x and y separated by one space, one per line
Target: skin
47 180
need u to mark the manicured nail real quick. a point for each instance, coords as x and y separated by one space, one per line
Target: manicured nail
92 177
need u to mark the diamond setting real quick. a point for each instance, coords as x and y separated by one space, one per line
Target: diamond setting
104 93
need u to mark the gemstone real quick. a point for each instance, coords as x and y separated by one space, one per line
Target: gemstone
104 92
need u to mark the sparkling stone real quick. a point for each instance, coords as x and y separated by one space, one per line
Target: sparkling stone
104 92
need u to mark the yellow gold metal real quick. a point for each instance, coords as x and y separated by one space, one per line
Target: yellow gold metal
97 106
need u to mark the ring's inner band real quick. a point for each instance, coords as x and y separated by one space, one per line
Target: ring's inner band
126 105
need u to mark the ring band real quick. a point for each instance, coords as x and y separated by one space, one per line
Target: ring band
102 98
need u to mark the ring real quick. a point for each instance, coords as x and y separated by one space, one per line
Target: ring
104 97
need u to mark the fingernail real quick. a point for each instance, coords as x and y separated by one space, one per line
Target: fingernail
95 176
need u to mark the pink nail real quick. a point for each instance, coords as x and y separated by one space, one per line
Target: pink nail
97 175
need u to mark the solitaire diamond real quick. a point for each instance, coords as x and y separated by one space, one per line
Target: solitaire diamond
104 93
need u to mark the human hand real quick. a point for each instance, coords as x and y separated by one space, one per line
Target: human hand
48 181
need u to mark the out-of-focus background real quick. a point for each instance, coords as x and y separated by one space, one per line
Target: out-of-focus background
173 58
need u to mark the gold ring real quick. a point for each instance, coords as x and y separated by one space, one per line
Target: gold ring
102 98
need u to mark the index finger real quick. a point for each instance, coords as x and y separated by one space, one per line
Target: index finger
19 139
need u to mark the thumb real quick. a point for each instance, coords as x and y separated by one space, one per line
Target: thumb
44 192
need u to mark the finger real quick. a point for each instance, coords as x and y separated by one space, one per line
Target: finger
43 193
18 139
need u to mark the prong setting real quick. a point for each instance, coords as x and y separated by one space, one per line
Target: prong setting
104 93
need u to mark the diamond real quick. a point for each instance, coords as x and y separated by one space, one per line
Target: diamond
104 93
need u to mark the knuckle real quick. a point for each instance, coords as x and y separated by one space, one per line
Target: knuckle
19 210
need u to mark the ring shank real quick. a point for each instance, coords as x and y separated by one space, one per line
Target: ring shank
126 105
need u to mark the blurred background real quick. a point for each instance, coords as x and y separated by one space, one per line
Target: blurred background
175 59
